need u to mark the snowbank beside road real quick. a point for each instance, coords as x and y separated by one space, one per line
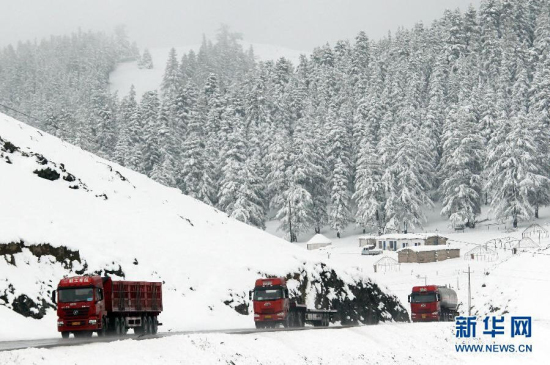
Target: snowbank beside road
428 343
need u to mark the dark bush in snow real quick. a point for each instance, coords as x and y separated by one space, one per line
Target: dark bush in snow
48 174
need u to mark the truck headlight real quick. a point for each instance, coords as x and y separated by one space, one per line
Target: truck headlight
435 313
256 315
92 321
60 323
280 314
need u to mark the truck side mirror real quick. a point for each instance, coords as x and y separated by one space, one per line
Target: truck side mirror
53 297
99 294
286 293
409 299
250 294
437 298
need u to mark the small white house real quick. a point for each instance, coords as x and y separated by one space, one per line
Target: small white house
395 241
367 240
318 241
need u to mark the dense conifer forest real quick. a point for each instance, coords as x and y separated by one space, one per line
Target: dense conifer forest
367 132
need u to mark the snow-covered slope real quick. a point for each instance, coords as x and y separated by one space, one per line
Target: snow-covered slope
66 211
127 74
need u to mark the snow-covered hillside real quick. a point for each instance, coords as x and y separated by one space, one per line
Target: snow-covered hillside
66 211
127 74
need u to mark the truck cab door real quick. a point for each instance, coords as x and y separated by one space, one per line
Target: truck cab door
100 301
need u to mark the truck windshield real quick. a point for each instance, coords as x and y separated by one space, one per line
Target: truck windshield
267 294
423 298
76 295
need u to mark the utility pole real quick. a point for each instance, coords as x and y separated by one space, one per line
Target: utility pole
425 278
469 292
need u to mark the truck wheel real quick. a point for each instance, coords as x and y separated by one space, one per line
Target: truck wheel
150 324
118 331
300 320
155 326
123 328
65 334
286 322
111 326
259 325
145 322
103 331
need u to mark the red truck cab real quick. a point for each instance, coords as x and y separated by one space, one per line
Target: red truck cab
432 303
273 306
88 304
271 303
81 308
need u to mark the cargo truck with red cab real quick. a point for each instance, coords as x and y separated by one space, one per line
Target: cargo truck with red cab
433 303
88 304
273 307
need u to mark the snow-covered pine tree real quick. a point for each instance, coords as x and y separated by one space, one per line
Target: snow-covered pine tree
409 174
164 170
338 142
297 211
148 114
146 61
369 193
513 170
103 119
195 177
171 78
129 140
238 195
461 166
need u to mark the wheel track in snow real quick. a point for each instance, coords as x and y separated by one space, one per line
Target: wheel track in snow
58 342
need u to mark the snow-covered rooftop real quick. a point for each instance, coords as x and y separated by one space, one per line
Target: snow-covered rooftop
400 236
366 237
319 238
428 248
406 236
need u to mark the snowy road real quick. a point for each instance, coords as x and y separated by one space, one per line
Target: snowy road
388 343
57 342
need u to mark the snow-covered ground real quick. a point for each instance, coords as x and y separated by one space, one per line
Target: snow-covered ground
127 74
428 343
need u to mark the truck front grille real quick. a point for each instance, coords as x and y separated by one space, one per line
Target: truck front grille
76 312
